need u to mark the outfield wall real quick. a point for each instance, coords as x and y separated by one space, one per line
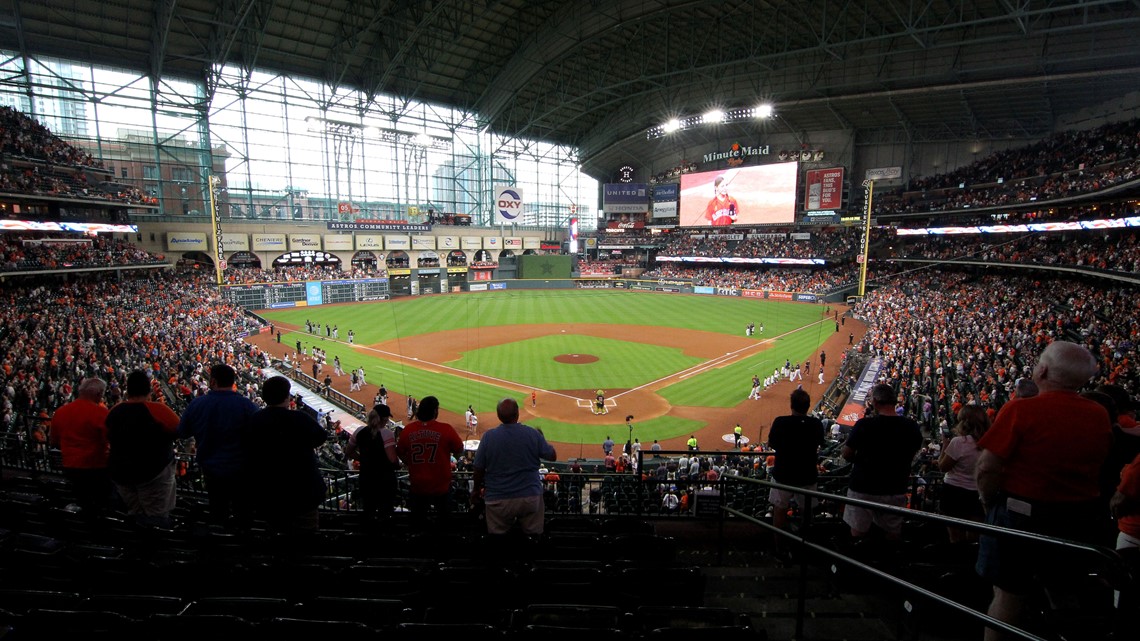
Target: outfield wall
314 293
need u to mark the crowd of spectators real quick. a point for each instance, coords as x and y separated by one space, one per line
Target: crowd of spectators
818 281
173 326
1111 250
822 243
1062 165
997 327
33 160
25 137
297 273
1046 214
626 239
23 251
609 266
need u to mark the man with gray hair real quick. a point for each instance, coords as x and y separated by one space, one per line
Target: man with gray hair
79 430
1039 471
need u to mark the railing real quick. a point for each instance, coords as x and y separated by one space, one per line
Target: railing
347 402
729 498
1109 564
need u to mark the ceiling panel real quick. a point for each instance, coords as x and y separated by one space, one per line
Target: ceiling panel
596 74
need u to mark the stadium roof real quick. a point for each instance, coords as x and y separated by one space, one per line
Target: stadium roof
597 74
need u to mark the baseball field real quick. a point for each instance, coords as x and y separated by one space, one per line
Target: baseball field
680 364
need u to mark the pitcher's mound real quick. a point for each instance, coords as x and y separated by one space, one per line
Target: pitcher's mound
575 359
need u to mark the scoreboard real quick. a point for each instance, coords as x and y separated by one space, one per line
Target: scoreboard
353 291
280 295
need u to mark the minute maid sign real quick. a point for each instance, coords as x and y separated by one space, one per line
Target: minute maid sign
738 152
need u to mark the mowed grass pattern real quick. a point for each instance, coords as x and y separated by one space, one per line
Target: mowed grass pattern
794 329
387 320
620 364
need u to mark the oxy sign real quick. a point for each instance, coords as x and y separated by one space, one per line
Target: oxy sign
509 203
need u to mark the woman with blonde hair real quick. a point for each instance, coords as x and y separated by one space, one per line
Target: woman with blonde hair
959 456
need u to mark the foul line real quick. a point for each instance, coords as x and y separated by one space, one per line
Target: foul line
713 363
719 361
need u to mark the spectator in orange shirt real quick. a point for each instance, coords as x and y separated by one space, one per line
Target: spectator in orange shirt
79 430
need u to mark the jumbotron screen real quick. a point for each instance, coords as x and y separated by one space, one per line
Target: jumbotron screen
757 195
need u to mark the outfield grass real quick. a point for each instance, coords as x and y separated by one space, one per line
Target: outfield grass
793 329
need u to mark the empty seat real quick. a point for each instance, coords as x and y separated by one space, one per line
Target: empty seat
19 601
652 617
467 614
711 633
679 586
250 608
627 525
465 631
57 624
289 628
568 633
195 627
378 614
572 584
568 615
136 606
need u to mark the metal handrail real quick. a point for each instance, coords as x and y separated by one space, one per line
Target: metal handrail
1104 553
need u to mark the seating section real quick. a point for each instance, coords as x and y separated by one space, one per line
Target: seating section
109 578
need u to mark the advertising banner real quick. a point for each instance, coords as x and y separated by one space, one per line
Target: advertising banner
342 242
665 209
235 242
532 242
508 203
397 242
666 192
184 241
884 173
625 198
513 242
857 402
314 295
423 242
369 241
304 241
471 242
268 242
447 242
492 242
824 189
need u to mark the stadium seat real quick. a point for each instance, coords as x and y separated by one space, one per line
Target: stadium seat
250 608
136 606
60 624
377 614
195 627
290 628
569 615
466 631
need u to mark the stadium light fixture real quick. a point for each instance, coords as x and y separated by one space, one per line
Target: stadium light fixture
714 116
762 111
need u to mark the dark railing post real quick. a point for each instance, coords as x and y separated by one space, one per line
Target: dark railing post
801 598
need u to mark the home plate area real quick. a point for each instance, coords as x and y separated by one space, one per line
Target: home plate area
731 438
592 405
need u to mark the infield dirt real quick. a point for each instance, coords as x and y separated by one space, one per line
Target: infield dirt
571 406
